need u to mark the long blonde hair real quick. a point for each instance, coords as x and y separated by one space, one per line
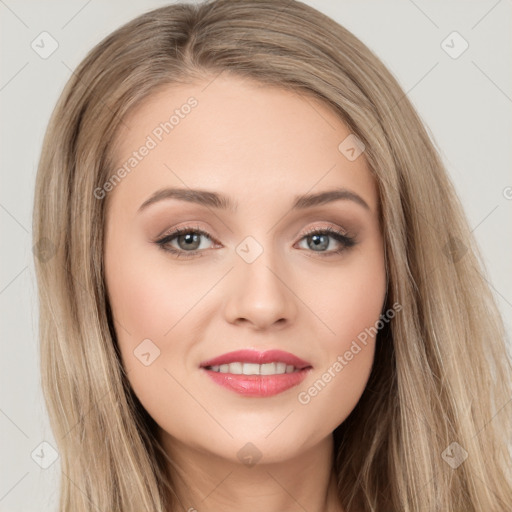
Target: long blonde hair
441 373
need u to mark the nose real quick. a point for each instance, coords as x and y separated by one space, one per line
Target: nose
260 294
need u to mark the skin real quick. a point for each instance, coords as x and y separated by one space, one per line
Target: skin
261 146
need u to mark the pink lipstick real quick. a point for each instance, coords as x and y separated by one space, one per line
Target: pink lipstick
257 374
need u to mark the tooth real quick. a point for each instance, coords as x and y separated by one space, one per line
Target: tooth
268 369
235 368
251 369
239 368
280 367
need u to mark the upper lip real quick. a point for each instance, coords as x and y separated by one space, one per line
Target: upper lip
254 356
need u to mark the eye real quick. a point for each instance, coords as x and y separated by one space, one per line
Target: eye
188 241
317 239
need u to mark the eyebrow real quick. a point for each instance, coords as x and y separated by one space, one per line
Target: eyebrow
222 202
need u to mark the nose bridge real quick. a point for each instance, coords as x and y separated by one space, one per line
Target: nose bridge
260 293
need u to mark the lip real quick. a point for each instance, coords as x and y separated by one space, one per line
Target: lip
258 385
254 356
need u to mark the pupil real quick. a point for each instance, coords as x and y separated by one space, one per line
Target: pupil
190 237
318 243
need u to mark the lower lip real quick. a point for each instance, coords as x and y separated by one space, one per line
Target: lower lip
258 385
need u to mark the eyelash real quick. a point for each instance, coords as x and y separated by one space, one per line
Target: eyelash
346 241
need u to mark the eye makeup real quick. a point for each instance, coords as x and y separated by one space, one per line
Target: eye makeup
194 233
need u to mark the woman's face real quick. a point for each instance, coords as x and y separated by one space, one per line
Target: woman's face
255 268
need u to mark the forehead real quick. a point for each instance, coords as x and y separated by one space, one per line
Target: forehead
235 134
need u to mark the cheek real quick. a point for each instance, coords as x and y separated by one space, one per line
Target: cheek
351 309
142 303
146 302
352 296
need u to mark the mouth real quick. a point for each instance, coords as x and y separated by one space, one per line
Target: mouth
244 368
257 374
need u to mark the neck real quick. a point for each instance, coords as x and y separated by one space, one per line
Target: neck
206 482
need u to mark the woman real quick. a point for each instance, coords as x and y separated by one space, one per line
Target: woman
328 343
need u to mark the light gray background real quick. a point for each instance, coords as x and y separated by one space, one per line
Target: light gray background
465 103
